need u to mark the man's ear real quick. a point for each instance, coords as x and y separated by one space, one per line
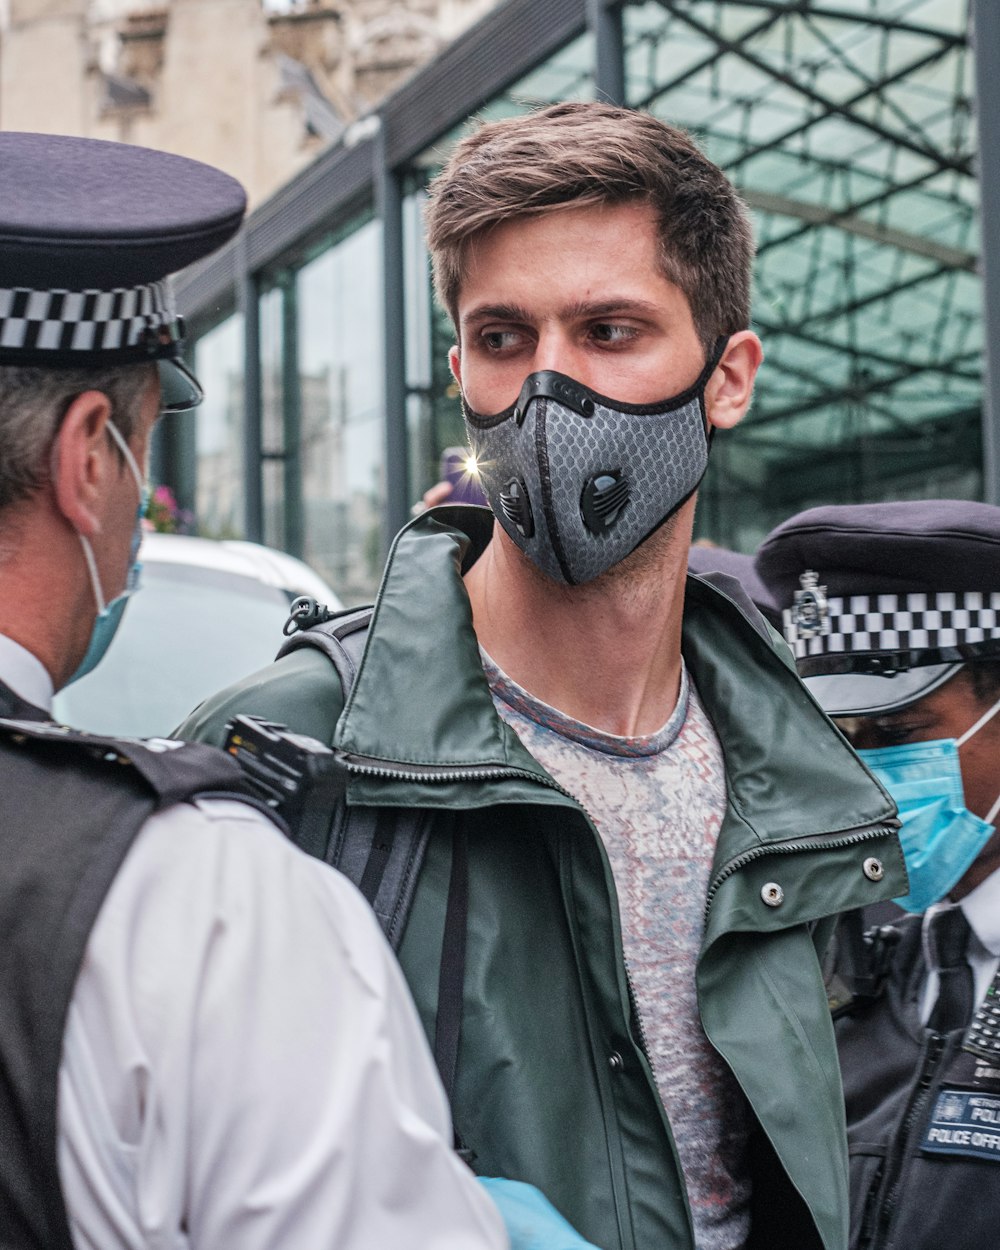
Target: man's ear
455 364
81 460
730 388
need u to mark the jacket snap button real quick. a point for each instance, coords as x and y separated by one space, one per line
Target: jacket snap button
872 868
615 1061
772 894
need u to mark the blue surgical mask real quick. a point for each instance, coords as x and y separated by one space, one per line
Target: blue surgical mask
939 835
109 615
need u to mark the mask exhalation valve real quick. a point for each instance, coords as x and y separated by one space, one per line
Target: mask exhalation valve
517 507
604 496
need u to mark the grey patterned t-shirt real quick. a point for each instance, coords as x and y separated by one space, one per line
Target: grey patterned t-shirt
657 803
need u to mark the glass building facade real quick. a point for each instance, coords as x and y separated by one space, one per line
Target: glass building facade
849 126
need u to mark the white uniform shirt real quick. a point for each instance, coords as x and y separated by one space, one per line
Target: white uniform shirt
243 1068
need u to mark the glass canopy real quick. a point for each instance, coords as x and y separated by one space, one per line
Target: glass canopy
847 126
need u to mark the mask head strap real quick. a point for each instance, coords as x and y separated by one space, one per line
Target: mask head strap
711 364
983 720
986 717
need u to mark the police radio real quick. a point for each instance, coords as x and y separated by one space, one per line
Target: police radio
296 776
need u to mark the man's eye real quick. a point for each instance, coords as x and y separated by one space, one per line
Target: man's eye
498 340
894 735
609 333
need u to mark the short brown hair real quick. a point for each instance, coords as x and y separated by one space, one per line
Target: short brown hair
581 154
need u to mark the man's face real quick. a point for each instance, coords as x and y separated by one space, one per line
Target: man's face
947 713
577 290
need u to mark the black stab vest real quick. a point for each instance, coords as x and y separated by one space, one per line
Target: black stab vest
70 807
897 1076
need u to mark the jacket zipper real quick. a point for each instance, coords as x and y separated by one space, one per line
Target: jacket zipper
637 1015
918 1100
365 767
852 838
362 767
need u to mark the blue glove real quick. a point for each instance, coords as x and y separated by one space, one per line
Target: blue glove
532 1221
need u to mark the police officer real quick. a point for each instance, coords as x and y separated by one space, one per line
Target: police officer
893 613
204 1039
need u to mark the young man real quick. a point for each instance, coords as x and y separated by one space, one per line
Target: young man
901 643
624 846
204 1040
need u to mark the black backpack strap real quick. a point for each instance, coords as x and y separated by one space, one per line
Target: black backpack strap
380 849
451 971
451 977
341 636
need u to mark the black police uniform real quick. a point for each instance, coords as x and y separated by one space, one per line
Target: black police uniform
883 604
923 1115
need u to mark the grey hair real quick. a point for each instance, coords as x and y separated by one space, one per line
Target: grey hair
33 402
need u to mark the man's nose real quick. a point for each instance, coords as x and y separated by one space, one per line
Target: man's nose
556 351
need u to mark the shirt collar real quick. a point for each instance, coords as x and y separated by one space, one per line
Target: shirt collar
25 674
982 910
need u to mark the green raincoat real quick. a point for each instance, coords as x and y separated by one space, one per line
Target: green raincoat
553 1085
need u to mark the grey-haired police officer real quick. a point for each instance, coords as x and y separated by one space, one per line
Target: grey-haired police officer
204 1040
893 612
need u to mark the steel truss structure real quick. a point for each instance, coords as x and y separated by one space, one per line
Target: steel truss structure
849 129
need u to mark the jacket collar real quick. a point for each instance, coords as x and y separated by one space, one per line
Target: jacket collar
421 699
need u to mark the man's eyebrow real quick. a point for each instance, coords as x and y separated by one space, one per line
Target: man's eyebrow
615 306
496 312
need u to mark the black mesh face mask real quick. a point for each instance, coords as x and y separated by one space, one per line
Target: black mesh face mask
578 480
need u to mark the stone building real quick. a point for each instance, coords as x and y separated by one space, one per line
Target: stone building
256 87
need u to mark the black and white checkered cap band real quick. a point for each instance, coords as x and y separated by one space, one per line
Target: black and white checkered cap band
84 321
862 624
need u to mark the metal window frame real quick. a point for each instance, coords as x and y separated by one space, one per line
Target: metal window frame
505 45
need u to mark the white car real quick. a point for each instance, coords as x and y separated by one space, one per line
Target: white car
207 613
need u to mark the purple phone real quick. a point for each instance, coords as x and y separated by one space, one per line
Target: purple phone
465 486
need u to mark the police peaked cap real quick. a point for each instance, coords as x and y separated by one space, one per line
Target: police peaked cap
89 232
882 603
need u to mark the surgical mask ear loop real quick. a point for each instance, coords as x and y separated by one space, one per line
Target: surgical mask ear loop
130 460
88 551
95 581
959 742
